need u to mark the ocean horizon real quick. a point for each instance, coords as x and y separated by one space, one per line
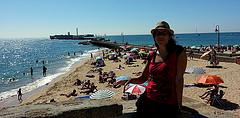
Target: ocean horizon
185 39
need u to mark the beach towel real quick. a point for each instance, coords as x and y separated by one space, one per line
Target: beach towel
195 70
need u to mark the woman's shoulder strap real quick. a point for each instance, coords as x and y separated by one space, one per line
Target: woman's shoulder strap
151 54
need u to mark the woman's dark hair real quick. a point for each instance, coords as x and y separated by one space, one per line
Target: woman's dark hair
171 45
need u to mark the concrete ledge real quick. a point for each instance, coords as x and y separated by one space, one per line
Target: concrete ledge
71 109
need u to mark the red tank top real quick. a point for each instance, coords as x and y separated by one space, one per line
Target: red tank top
162 83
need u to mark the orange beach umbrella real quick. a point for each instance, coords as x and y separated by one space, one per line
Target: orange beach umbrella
210 79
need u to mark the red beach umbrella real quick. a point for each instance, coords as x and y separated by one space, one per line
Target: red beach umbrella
210 79
138 89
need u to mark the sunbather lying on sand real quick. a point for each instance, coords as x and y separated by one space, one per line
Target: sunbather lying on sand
78 82
90 90
111 82
86 85
137 73
90 75
73 93
111 74
120 67
133 66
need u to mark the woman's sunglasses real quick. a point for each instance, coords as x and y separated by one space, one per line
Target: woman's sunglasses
161 33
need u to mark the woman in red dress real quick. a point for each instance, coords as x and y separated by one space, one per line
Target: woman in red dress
164 73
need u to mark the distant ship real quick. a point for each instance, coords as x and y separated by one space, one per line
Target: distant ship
73 37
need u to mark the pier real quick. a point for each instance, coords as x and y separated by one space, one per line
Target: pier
223 57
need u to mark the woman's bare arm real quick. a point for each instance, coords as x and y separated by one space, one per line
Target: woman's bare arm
181 66
142 78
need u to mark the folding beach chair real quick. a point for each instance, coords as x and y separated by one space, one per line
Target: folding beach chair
215 100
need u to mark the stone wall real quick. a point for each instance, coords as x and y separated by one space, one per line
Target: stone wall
72 109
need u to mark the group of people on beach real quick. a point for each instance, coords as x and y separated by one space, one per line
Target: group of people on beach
87 86
105 76
44 73
212 55
220 49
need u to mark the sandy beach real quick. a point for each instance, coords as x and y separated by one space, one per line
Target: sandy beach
64 84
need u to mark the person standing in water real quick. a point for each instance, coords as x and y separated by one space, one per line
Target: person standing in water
44 71
19 94
91 55
68 54
31 71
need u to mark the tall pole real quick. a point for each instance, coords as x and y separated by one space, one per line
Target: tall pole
77 31
217 30
122 37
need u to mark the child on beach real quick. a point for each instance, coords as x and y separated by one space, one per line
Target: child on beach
19 94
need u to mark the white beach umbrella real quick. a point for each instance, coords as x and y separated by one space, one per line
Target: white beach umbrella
205 54
136 89
102 94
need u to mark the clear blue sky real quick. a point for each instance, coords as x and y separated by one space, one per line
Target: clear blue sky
41 18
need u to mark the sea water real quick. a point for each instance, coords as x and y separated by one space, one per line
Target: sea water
17 56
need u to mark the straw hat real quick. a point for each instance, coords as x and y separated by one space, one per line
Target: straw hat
163 25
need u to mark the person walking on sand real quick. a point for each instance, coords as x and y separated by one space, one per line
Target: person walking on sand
213 57
31 71
103 53
19 94
91 55
44 71
164 72
191 54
